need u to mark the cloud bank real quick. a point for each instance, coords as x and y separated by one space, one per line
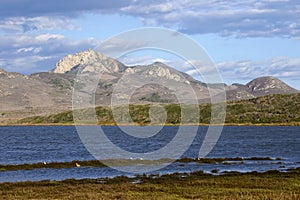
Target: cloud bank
30 53
281 67
248 18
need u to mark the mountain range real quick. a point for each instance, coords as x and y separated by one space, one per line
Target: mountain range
51 92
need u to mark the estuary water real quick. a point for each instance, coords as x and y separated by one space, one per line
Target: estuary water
34 144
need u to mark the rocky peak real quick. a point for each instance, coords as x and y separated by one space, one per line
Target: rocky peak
68 62
11 75
2 71
269 85
158 70
90 58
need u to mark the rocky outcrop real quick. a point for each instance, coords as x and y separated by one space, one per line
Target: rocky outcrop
258 87
269 85
158 70
91 61
68 62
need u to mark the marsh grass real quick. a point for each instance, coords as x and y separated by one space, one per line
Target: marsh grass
197 185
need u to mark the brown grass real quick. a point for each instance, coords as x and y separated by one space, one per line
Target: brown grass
269 185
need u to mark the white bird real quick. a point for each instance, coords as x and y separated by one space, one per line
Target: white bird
45 163
77 165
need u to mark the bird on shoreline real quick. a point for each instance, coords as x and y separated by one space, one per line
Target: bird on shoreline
77 165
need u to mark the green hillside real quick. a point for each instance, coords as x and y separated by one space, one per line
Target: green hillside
273 109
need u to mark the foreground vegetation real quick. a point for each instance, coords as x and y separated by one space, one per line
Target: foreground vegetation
197 185
272 109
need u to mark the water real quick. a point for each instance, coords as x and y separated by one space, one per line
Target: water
33 144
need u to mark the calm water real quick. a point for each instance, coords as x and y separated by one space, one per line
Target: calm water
62 143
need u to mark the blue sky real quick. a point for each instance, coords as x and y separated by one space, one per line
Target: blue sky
246 39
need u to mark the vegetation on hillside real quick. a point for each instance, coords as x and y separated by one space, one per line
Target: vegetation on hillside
272 109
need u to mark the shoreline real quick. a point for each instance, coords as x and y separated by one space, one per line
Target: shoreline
113 124
181 174
130 162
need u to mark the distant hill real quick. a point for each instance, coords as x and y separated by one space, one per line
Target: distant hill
271 109
51 92
259 87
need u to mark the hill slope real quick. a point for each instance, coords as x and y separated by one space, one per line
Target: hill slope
272 109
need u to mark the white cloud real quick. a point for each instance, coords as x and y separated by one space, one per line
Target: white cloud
33 50
27 24
30 15
280 67
116 45
194 67
249 18
33 53
133 60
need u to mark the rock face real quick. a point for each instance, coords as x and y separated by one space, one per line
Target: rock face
238 92
158 69
86 58
51 92
259 87
269 85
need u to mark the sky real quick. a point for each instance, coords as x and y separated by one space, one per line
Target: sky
245 39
